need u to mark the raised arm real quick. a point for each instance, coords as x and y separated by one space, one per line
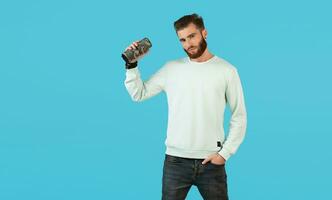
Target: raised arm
140 90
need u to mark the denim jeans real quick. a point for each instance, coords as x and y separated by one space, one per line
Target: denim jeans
179 174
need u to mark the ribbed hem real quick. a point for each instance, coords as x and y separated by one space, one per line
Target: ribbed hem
188 153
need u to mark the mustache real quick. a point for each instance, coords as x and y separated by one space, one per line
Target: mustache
190 48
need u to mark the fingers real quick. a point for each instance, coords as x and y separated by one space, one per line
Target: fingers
208 159
133 45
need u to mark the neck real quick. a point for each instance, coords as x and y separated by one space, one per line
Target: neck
204 57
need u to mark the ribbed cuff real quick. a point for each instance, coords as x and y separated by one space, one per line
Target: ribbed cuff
224 153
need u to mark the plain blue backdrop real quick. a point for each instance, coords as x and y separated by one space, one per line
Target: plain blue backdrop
69 130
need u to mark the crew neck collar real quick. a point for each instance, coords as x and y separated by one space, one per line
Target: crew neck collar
199 63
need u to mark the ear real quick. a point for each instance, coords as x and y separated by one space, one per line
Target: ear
204 33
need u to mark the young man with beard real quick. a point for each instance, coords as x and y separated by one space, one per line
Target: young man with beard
198 87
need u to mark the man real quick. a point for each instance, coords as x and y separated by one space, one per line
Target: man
198 87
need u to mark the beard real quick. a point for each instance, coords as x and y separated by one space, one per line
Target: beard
200 49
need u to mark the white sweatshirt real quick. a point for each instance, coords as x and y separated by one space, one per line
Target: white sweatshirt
197 93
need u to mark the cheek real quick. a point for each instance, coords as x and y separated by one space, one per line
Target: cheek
185 45
196 42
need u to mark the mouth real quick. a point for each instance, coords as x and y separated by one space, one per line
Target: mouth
191 49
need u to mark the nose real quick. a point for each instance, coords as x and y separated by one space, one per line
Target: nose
188 45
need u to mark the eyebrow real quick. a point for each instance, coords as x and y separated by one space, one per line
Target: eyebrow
192 34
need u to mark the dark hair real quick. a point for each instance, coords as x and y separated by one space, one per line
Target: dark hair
184 21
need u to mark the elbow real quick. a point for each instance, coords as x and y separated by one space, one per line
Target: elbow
244 122
135 93
136 98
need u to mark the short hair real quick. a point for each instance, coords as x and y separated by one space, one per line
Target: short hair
184 21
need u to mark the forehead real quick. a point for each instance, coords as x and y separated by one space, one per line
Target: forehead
191 28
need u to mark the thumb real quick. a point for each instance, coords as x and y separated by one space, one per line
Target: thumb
206 160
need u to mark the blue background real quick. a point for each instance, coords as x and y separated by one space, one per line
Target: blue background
69 130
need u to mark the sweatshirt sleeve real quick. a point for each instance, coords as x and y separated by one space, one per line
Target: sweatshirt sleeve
139 89
238 121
